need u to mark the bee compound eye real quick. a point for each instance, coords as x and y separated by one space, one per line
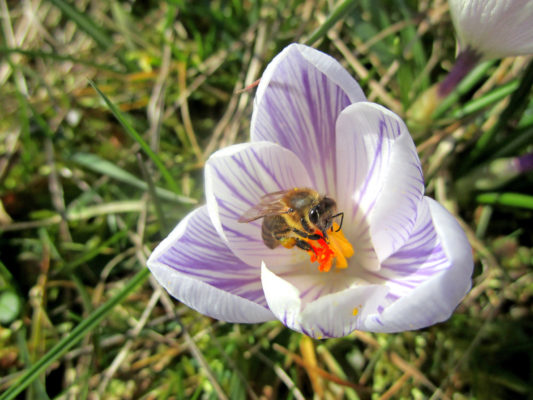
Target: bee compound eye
313 215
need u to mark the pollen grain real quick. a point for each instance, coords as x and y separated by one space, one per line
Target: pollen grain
334 249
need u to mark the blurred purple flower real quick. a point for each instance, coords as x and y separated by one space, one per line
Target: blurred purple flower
485 29
494 28
493 175
312 127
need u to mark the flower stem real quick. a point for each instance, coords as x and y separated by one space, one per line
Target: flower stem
465 62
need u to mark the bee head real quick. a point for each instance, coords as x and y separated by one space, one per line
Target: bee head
322 214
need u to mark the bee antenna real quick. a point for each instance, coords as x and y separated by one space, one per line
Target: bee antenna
341 214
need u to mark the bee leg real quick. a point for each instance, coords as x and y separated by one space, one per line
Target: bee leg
306 235
304 245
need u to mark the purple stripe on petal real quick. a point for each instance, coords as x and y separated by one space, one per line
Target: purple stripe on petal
298 110
235 190
380 177
270 172
376 158
440 273
200 253
420 259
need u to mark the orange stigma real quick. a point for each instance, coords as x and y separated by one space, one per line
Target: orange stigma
336 248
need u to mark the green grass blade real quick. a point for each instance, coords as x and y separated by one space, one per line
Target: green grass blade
485 140
6 275
84 23
38 388
84 294
339 12
475 76
69 267
527 119
516 106
507 199
133 133
490 98
102 166
151 189
73 337
95 31
520 140
59 57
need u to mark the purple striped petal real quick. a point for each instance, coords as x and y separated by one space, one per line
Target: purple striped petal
235 180
427 277
331 315
196 267
301 94
380 182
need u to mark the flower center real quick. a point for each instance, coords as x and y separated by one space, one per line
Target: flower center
335 248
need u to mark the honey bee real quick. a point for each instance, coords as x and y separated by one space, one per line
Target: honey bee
290 216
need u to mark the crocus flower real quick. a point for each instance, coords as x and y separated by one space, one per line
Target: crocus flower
494 28
409 263
485 29
488 29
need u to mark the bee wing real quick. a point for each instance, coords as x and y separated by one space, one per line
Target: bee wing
270 204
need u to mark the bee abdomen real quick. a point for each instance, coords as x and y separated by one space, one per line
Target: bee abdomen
273 227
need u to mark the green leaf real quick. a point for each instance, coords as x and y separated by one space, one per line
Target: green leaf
9 306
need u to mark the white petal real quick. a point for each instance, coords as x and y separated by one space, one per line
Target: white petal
196 267
380 182
321 61
332 315
312 284
495 28
235 180
297 103
421 258
434 300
